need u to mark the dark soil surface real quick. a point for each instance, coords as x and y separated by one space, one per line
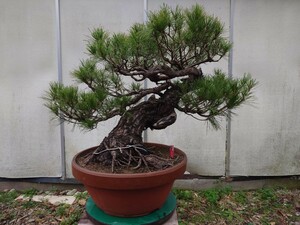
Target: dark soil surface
159 159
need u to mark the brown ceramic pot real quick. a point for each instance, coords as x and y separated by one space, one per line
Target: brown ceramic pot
129 195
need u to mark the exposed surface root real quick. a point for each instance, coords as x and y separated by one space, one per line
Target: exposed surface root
134 158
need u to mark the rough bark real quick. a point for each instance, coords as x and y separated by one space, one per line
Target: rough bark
155 113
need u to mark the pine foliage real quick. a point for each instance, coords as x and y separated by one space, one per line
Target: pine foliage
168 51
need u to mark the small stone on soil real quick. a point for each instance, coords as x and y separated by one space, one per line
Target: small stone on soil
71 192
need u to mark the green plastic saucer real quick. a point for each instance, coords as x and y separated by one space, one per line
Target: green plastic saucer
157 217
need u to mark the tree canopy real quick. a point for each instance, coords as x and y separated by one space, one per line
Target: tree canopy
168 52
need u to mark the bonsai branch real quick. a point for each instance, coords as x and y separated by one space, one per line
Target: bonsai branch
159 73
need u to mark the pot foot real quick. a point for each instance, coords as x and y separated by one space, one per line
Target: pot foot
166 215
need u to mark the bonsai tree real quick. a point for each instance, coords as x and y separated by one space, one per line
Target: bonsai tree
167 52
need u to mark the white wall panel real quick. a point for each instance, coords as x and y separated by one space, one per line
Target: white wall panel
78 18
29 142
205 147
265 138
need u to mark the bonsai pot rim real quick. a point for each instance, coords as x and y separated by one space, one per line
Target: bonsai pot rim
84 175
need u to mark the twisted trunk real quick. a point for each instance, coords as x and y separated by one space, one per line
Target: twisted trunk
155 113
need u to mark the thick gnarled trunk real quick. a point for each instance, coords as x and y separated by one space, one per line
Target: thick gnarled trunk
155 113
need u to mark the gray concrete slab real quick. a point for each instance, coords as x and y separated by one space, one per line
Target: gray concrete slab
53 199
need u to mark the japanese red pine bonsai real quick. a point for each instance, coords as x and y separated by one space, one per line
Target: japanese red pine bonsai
167 52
